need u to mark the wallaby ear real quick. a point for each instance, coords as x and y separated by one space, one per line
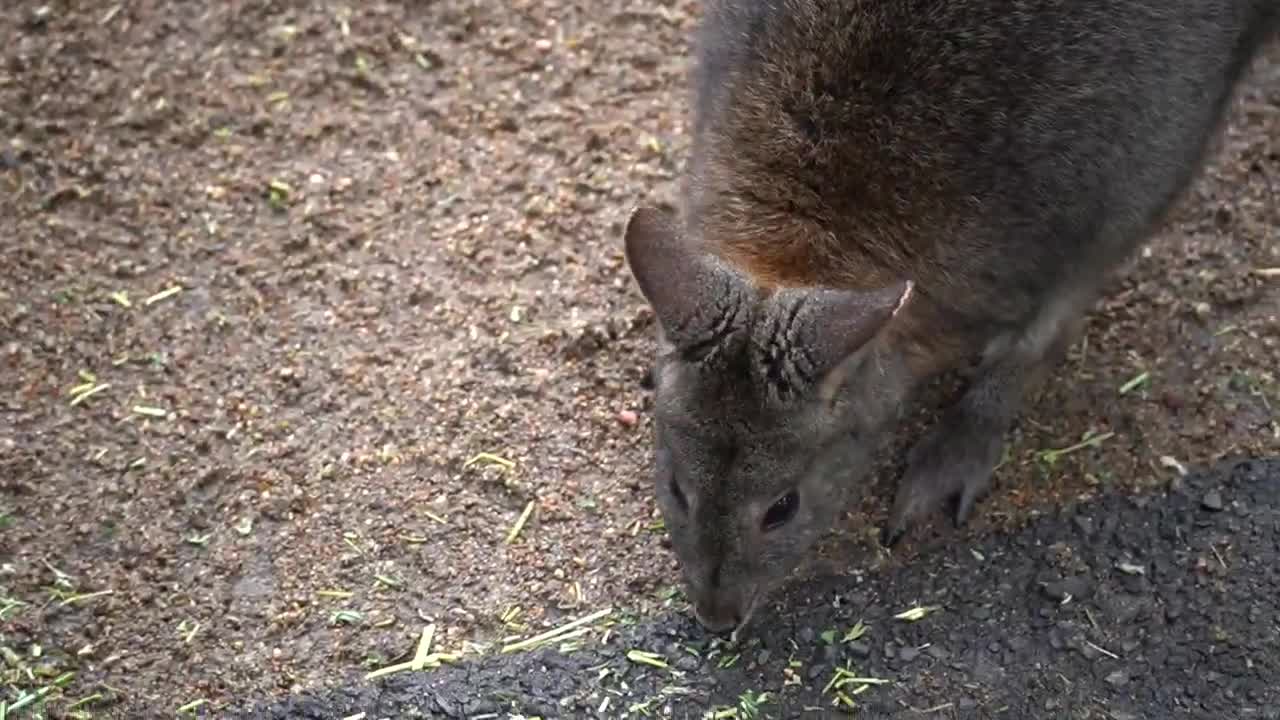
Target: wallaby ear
690 290
839 323
811 333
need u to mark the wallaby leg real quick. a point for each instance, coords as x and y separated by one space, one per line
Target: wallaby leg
954 462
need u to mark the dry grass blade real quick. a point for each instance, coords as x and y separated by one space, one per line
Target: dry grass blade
489 459
520 522
916 613
71 600
1090 439
162 295
1139 379
1103 650
557 633
424 646
640 657
86 392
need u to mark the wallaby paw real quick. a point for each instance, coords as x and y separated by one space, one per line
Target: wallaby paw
952 466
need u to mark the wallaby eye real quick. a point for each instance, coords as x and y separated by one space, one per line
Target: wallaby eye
781 511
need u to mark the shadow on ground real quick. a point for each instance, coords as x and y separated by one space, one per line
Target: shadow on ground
1127 607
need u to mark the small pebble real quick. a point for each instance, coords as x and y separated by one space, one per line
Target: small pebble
1212 501
687 663
1119 678
628 418
907 654
1073 587
1084 524
859 649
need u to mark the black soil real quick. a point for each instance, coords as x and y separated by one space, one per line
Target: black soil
1162 606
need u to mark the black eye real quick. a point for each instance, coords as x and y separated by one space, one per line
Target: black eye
679 495
781 511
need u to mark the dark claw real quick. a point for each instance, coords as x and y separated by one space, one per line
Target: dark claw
968 499
890 537
964 508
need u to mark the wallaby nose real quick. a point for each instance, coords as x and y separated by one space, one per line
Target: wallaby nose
717 617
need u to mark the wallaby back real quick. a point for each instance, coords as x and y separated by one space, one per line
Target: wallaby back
986 149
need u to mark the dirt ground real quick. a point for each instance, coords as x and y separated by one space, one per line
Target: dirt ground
303 304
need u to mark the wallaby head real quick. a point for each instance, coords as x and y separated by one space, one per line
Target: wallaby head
768 403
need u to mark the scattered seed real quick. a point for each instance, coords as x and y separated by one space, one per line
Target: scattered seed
121 298
191 706
346 617
338 594
390 582
149 411
1131 569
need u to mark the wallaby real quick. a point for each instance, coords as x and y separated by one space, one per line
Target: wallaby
882 190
